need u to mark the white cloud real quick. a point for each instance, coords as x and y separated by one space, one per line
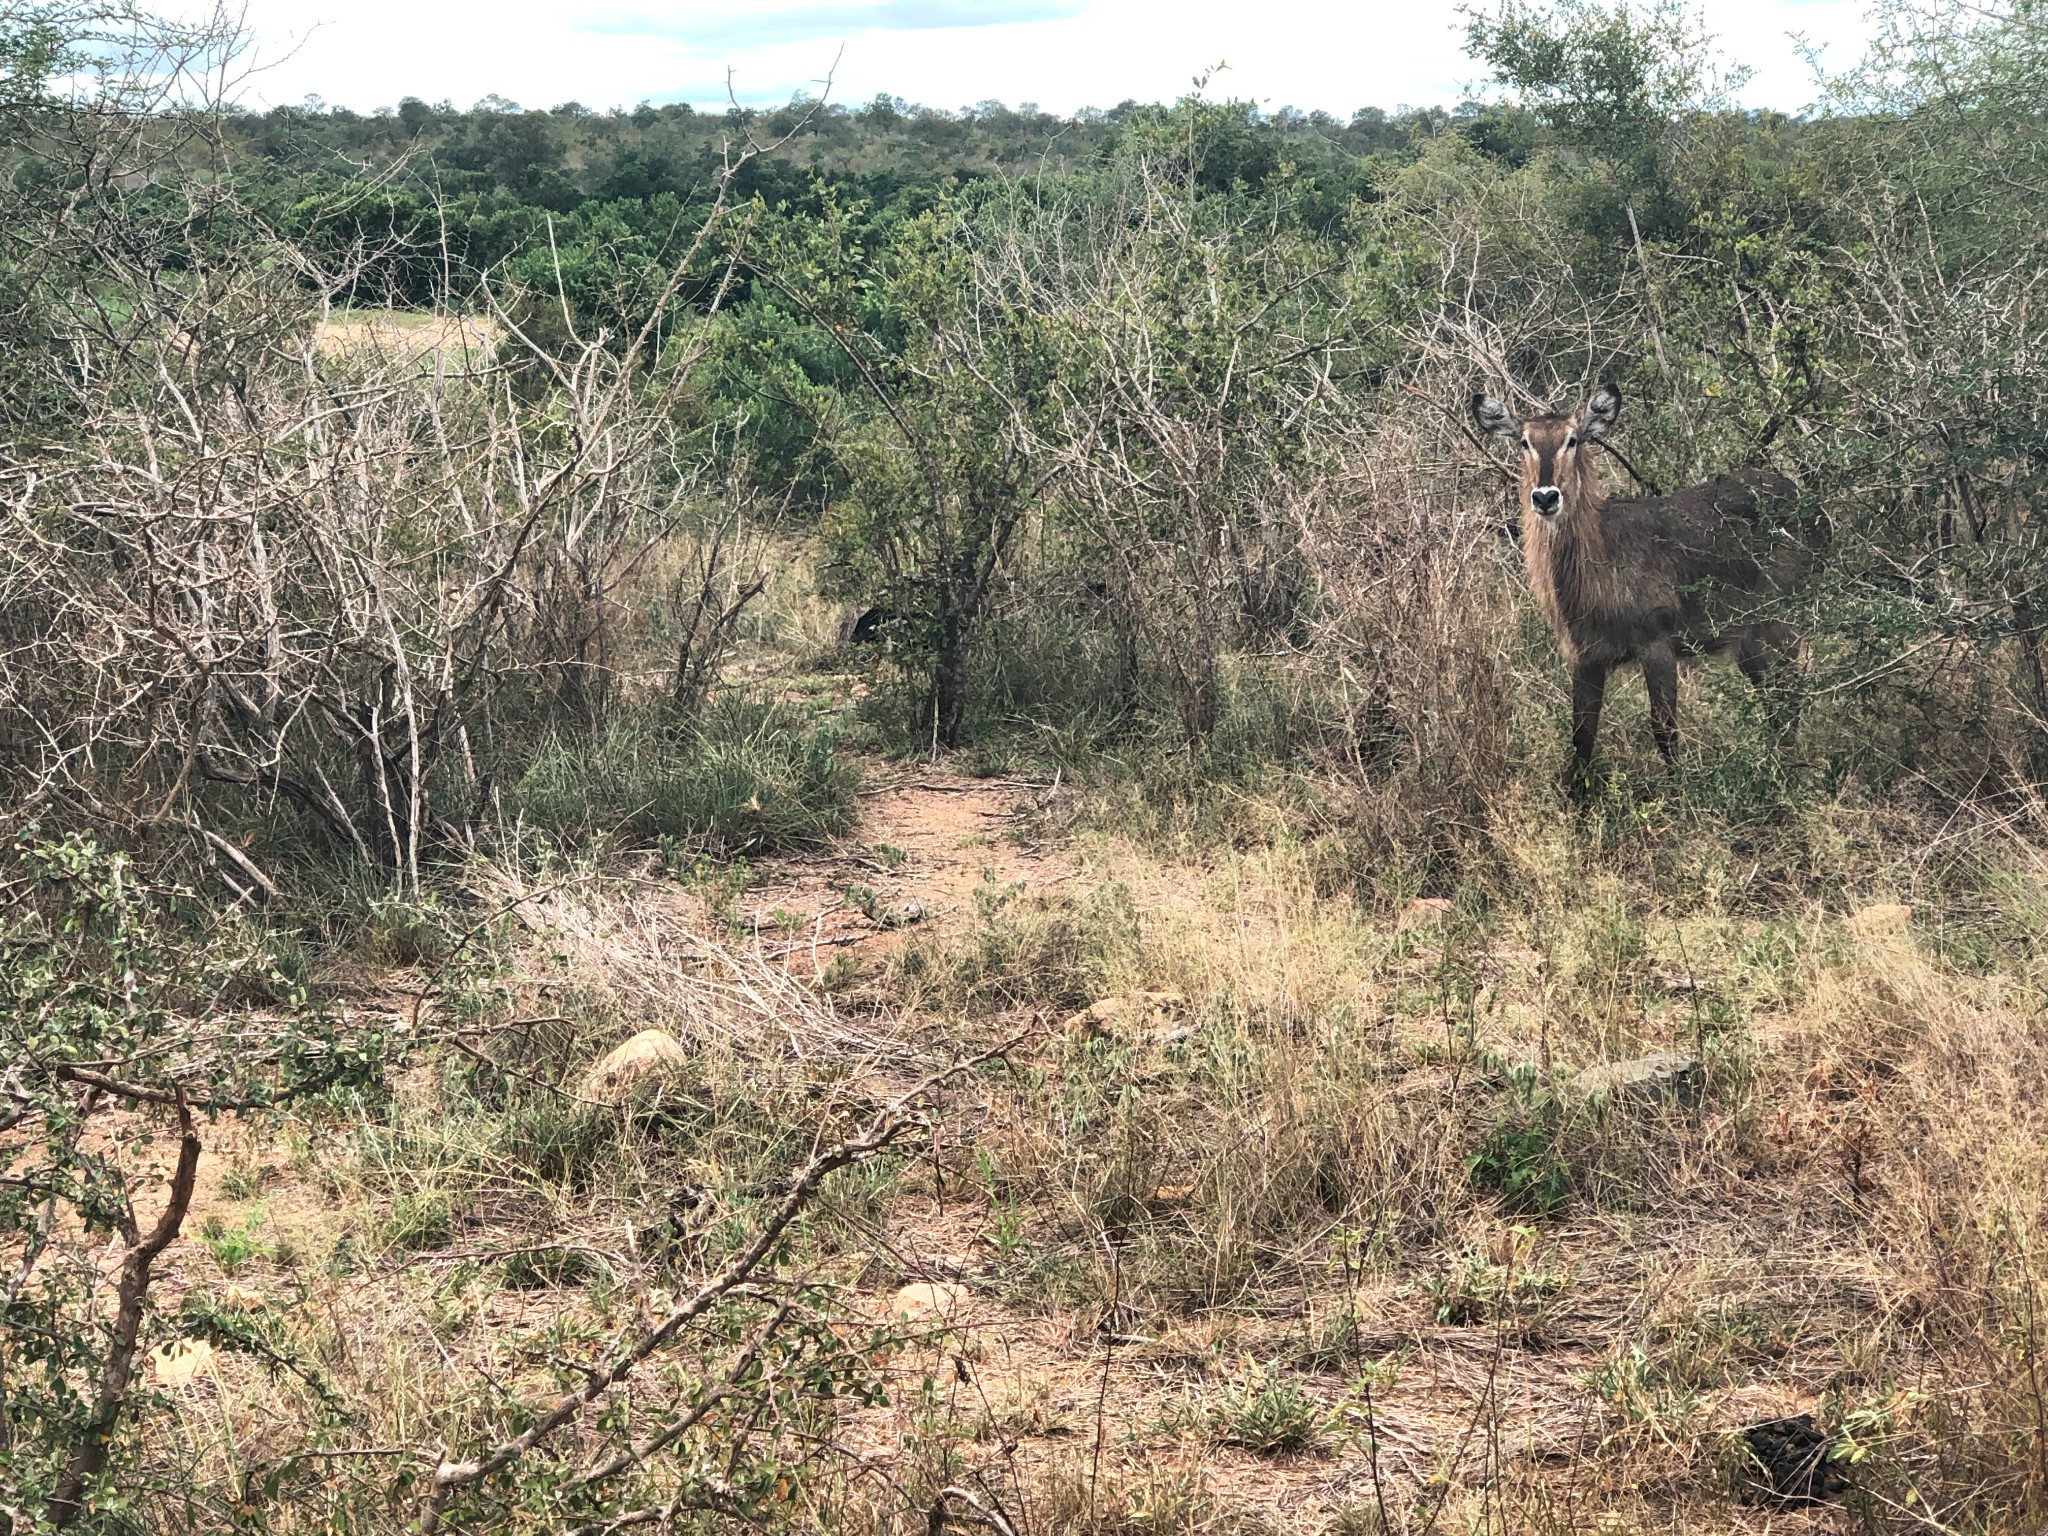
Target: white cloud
1062 54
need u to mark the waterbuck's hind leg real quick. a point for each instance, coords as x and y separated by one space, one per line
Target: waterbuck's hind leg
1660 679
1769 657
1589 691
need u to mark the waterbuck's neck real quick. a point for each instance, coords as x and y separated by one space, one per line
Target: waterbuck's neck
1566 554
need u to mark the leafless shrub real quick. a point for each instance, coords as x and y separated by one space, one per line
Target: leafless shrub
1194 382
1416 635
722 569
262 576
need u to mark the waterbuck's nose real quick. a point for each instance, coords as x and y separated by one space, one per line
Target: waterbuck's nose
1546 499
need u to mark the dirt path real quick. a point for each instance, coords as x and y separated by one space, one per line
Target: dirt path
926 840
1021 1391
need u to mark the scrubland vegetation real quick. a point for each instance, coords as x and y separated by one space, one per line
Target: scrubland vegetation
991 636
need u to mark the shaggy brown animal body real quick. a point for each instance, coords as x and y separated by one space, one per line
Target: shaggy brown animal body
1649 580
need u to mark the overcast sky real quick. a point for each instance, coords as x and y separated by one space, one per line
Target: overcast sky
1060 54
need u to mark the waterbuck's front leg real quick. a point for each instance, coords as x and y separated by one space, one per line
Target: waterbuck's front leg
1660 678
1768 654
1589 691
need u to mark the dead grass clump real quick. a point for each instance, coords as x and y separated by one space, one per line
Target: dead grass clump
1050 953
1948 1155
1218 1170
1218 1152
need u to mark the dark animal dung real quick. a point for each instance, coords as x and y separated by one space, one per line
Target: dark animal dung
1788 1463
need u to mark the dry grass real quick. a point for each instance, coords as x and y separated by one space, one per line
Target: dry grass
406 333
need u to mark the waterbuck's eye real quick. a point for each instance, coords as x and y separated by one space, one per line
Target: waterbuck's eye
1571 442
1527 446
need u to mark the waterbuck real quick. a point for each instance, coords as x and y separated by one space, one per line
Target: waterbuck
1652 579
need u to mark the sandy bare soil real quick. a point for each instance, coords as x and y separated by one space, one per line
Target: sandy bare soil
926 840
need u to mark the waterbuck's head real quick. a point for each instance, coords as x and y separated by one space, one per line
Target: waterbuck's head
1557 472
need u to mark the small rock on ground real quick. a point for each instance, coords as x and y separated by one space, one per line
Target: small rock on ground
1662 1075
648 1056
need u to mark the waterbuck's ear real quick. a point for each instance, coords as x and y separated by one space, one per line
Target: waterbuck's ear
1601 412
1493 419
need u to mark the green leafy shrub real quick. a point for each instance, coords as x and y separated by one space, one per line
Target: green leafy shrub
1474 1288
1518 1163
1517 1158
1266 1413
124 1031
233 1247
423 1219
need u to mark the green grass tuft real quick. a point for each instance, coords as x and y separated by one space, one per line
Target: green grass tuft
744 777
